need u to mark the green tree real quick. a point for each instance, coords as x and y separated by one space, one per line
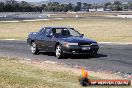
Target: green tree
117 6
125 7
107 4
130 5
1 6
89 6
84 6
70 7
49 7
10 5
78 7
55 6
79 4
64 7
44 7
25 6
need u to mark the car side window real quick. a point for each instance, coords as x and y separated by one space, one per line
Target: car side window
47 31
42 30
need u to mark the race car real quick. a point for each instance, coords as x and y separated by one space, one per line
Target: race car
62 41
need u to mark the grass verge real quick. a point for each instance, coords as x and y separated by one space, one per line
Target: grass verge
15 74
99 29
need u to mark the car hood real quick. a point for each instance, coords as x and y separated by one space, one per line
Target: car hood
77 40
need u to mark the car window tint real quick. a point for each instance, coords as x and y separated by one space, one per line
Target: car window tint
65 32
74 32
42 30
47 31
58 31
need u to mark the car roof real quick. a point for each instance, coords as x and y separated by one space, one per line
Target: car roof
56 27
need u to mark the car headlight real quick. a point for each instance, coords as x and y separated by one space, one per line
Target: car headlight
95 44
70 44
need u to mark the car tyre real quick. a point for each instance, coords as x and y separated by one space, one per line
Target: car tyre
34 48
94 54
58 52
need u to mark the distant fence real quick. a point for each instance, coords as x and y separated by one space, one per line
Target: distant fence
22 15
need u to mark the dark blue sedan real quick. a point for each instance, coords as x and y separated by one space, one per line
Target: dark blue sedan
62 41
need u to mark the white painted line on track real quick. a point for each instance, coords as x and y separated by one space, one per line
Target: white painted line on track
116 43
37 20
9 39
9 21
25 21
59 18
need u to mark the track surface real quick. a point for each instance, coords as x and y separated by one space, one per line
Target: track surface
115 58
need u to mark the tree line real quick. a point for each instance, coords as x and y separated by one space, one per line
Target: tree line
23 6
14 6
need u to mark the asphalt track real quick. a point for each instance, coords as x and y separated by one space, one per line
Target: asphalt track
111 57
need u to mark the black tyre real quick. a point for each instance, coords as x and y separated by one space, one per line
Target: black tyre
58 52
94 54
34 48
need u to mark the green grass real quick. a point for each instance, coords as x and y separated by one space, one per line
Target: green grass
103 29
14 74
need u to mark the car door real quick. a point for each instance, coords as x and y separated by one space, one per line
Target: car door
40 38
46 40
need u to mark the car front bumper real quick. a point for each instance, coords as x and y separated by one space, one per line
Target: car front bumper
80 49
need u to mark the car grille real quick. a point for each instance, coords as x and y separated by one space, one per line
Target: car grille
84 44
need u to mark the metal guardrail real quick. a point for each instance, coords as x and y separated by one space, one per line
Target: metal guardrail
22 15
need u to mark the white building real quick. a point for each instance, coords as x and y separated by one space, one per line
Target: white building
92 10
97 10
100 9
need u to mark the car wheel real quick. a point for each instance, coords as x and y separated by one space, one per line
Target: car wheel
58 52
94 54
34 48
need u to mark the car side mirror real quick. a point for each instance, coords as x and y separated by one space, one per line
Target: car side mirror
81 35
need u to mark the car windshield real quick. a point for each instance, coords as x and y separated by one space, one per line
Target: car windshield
67 32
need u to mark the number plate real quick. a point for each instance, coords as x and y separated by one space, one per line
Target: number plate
85 48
